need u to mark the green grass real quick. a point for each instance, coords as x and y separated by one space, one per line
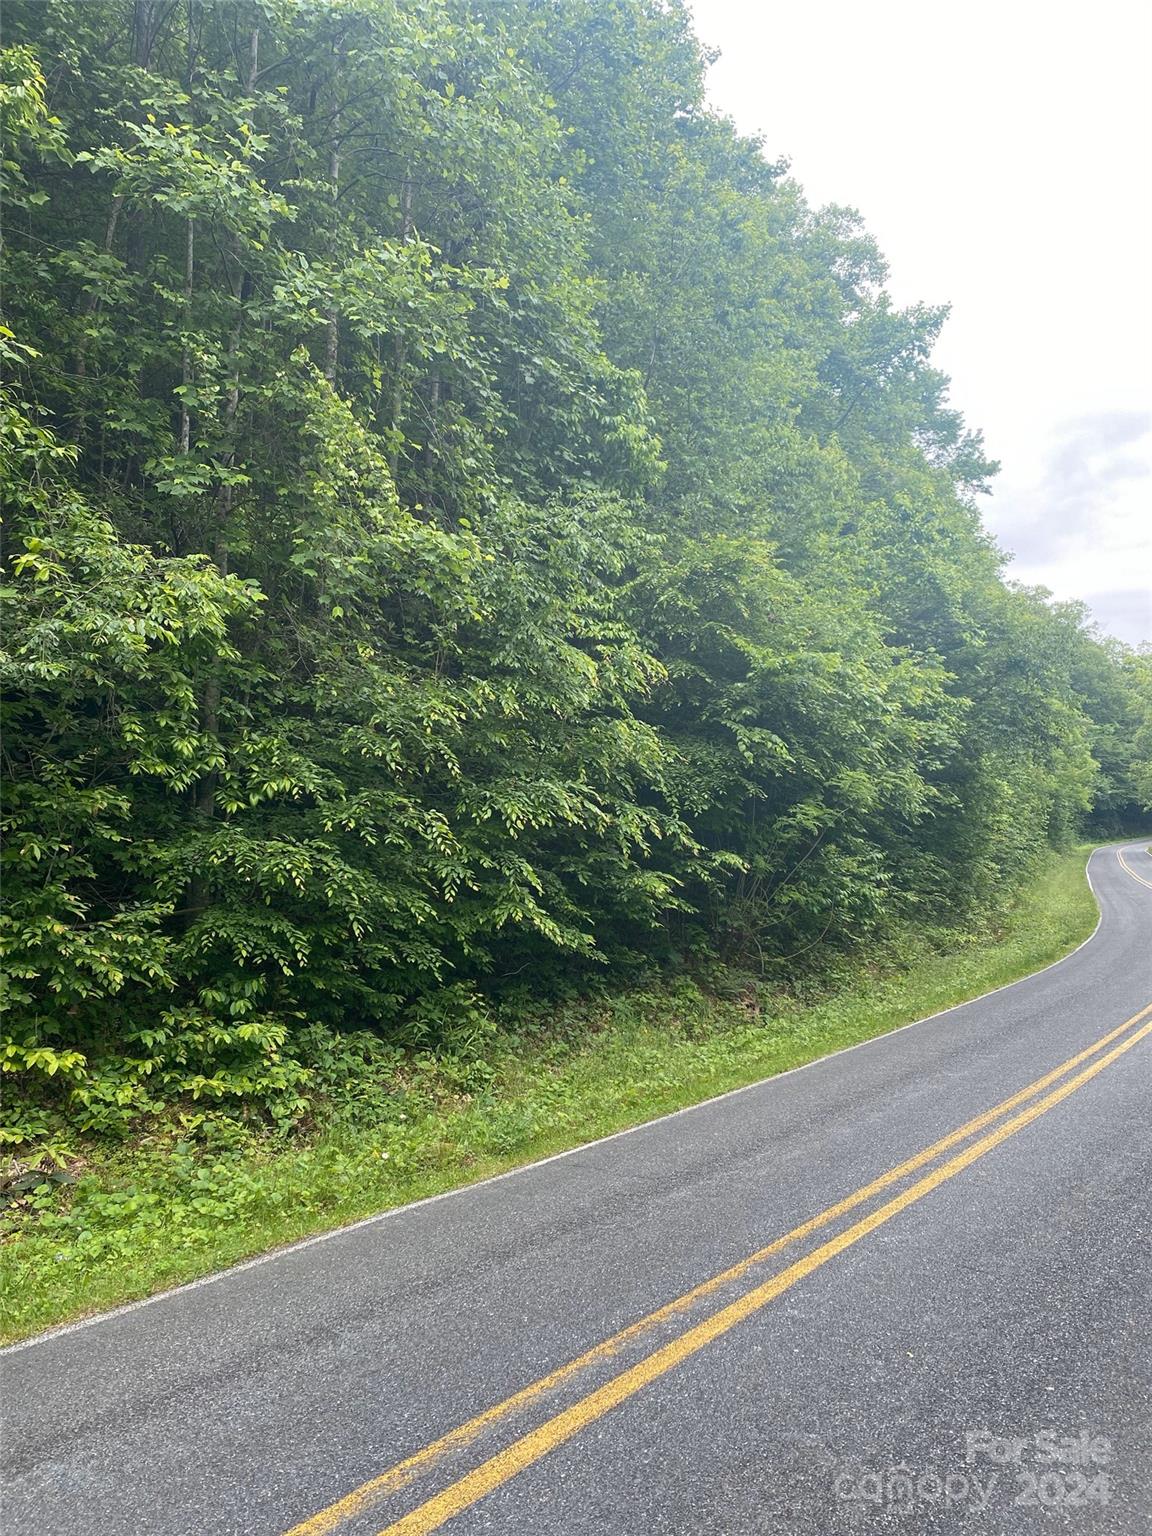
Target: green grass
162 1210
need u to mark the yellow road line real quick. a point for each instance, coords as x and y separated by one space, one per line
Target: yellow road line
530 1448
406 1471
1125 864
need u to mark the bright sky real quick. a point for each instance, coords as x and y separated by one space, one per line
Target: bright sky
1001 153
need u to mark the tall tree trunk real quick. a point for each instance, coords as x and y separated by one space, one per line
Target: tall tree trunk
186 355
433 413
253 59
332 342
145 25
89 308
399 348
204 798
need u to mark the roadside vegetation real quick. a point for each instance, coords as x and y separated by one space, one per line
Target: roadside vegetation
488 571
197 1193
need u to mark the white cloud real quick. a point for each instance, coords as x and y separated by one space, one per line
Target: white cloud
1002 156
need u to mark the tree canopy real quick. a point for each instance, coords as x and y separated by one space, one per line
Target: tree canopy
470 520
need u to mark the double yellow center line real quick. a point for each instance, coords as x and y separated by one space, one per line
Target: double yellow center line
529 1448
1128 868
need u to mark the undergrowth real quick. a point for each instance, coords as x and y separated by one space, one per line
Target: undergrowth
101 1222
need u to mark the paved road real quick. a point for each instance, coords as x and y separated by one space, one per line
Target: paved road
960 1341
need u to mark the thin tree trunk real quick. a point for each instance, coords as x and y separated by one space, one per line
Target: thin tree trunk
91 304
205 795
186 357
253 59
433 412
332 344
143 33
206 788
145 26
399 348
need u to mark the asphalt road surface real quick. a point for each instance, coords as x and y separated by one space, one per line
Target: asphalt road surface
634 1338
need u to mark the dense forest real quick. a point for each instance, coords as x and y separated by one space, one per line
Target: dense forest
472 530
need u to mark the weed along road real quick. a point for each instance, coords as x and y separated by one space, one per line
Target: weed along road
907 1287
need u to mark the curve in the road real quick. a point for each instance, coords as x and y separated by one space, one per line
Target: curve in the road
956 1272
530 1448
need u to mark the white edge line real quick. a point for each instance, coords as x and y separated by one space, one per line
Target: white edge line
509 1173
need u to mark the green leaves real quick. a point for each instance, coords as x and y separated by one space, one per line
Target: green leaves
469 519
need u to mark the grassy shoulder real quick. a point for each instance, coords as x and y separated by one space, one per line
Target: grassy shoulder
176 1205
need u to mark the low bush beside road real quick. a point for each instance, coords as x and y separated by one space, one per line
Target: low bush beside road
199 1190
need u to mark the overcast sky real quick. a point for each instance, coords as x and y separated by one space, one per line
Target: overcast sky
1001 153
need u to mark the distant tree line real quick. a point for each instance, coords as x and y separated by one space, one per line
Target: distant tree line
471 524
